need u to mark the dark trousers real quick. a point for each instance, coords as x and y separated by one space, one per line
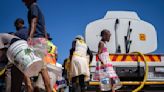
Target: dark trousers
78 84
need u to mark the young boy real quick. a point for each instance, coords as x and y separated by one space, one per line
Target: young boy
37 36
6 43
21 30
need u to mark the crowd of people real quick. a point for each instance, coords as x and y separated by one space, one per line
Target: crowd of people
28 55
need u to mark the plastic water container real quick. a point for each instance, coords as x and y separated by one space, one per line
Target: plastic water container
24 58
116 83
105 82
61 83
52 75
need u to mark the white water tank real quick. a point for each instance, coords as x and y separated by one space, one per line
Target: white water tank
143 35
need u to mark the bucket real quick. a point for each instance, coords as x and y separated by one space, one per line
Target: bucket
24 58
52 74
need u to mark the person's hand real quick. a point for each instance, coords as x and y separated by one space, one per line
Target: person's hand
102 62
29 41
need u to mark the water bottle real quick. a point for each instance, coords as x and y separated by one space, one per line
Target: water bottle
105 82
116 83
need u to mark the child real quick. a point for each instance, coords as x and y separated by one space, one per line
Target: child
79 63
103 56
37 37
10 43
21 30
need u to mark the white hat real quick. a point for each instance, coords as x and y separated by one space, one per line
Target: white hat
79 37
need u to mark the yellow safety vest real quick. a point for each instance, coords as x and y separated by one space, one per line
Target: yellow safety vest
80 49
51 56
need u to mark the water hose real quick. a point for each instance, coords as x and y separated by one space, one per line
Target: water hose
146 73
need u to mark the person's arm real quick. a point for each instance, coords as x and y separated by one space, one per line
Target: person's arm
72 49
33 27
90 55
33 17
100 48
28 83
73 45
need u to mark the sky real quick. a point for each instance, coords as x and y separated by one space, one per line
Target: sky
67 18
